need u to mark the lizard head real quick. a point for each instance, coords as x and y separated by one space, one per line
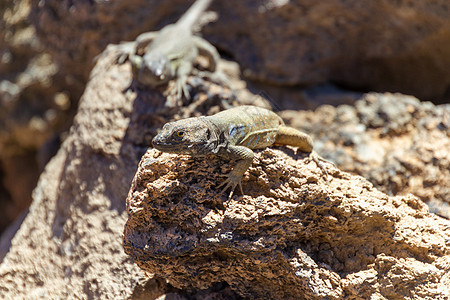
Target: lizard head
156 69
188 136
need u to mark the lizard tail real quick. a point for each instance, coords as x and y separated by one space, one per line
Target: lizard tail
191 16
293 137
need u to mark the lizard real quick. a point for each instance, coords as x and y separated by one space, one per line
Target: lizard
160 56
232 134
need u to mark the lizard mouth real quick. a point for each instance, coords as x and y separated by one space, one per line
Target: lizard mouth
149 78
170 147
176 148
161 145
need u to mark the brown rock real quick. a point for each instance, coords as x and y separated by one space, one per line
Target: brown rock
34 109
293 234
281 45
70 243
20 176
370 45
395 141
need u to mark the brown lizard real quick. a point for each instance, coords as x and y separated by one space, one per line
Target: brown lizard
232 134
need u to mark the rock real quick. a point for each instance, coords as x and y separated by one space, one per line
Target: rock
70 245
19 178
382 46
34 109
76 221
42 76
293 232
395 141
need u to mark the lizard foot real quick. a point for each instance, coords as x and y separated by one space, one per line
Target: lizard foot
232 181
217 77
181 88
125 50
318 160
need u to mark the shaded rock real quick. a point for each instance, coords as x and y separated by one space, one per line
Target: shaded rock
34 109
395 141
292 235
8 234
20 173
398 46
70 243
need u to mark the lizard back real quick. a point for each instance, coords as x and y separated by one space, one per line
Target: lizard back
249 126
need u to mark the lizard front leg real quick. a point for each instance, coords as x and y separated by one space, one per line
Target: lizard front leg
210 52
125 51
143 40
130 50
245 157
207 50
183 71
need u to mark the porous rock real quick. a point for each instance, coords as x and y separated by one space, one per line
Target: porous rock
400 144
293 235
70 244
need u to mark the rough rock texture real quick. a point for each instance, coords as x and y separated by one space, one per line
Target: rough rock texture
371 45
70 243
292 235
400 144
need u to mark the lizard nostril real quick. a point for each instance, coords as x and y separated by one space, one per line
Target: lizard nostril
156 140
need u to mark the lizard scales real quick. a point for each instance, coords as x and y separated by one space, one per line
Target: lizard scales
232 134
256 128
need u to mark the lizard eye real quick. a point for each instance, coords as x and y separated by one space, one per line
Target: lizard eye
180 133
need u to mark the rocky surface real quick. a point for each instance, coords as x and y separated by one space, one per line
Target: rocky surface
370 45
292 233
398 143
42 76
70 243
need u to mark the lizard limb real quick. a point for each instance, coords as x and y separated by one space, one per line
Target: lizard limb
210 52
217 77
184 69
126 50
245 156
318 160
145 38
207 50
129 50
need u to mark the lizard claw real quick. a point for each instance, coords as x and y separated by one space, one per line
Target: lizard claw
125 51
232 181
218 77
318 160
181 88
